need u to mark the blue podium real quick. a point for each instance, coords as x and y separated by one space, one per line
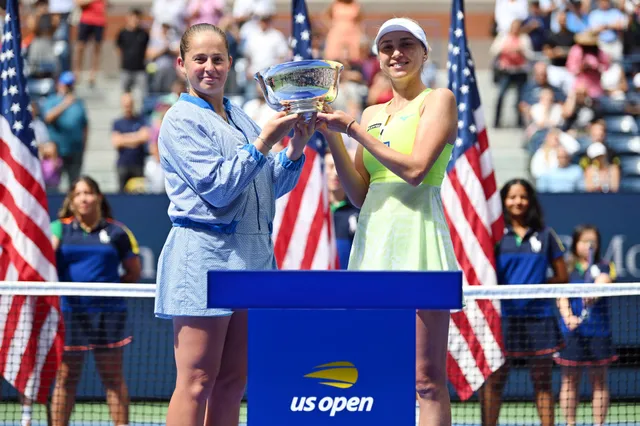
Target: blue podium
332 348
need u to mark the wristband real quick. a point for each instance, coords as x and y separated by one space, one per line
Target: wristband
348 127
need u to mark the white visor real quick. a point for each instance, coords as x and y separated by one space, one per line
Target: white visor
401 24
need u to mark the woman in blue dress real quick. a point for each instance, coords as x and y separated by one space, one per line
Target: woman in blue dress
222 182
528 253
586 326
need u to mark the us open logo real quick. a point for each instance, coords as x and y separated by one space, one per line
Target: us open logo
341 375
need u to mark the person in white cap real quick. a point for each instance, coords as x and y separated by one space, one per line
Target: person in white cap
404 146
602 175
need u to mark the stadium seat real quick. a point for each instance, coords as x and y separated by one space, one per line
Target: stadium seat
610 106
630 184
621 124
624 144
630 165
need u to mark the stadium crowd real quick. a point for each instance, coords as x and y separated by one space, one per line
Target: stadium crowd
148 45
576 68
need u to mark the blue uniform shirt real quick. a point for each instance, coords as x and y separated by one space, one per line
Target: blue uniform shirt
92 257
597 322
345 222
67 132
128 157
527 261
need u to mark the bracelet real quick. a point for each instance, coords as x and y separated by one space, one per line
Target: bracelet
348 127
265 142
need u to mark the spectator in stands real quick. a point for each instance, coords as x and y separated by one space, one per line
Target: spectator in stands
614 83
524 255
556 49
345 214
264 47
545 158
507 11
161 53
546 113
41 57
566 177
47 151
608 23
170 13
533 88
244 11
129 136
91 247
587 63
535 25
61 11
587 328
345 33
68 125
601 174
205 11
222 183
132 42
93 20
631 37
577 16
380 90
153 170
513 52
579 110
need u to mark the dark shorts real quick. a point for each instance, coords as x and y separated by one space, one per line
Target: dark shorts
86 32
95 330
527 337
586 351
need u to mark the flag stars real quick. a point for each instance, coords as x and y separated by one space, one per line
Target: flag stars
460 15
458 32
9 54
297 58
454 67
300 18
7 36
456 50
466 71
17 126
15 108
462 107
7 18
34 144
11 72
294 43
460 124
470 62
448 64
304 35
472 128
458 142
13 90
4 74
464 89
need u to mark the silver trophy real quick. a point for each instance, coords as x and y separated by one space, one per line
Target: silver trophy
300 87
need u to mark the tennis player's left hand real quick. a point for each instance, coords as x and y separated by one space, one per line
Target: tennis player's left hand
302 131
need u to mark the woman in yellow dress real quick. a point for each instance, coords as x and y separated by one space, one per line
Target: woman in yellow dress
404 148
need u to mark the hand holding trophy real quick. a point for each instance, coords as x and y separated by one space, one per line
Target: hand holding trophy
300 87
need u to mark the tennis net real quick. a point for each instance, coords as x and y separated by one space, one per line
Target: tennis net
115 322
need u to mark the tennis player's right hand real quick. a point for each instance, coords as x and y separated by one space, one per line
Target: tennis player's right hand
572 322
278 127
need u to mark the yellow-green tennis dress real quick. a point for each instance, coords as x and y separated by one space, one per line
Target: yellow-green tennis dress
402 227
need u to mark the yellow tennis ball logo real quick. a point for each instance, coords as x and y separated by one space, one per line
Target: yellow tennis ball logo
340 374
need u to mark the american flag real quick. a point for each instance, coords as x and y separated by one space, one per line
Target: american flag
303 227
31 328
474 213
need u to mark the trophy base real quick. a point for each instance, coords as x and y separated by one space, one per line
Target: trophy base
304 107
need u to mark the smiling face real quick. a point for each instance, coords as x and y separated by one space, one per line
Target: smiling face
401 55
517 201
205 63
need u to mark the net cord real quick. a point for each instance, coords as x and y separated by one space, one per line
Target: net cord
502 292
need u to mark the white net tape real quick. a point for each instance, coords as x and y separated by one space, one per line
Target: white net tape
538 291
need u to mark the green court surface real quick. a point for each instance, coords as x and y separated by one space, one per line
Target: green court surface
464 414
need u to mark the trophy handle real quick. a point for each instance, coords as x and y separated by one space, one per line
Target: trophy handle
271 101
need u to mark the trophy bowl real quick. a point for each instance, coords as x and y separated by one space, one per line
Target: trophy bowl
300 87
